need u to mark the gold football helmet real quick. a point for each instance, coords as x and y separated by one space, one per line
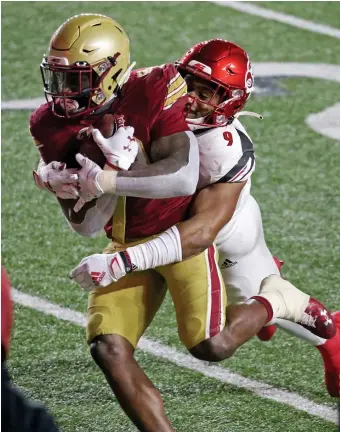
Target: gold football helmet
87 62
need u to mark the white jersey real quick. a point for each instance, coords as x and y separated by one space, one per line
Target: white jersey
226 156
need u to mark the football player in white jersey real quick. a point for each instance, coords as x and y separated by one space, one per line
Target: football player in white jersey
220 80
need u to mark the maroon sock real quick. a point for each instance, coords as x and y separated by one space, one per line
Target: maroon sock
266 304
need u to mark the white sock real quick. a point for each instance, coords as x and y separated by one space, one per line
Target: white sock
286 301
298 331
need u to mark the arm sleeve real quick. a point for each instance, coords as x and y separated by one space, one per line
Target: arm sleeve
166 178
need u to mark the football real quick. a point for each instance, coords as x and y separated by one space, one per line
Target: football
85 144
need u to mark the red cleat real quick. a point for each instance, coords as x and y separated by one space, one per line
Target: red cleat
330 352
266 333
318 320
279 263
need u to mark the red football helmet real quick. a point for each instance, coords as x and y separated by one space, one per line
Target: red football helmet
226 66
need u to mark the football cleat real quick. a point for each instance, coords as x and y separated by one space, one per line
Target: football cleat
279 263
318 320
330 352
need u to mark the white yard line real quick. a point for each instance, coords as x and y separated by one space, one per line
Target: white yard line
22 104
281 17
188 362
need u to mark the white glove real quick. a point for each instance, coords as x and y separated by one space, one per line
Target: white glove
120 150
55 178
93 181
100 270
88 186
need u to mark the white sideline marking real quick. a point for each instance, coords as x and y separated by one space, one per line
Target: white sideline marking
281 17
22 104
326 122
188 362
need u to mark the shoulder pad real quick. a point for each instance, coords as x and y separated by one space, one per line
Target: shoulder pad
164 81
226 154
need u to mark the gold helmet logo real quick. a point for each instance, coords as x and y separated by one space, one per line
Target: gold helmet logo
87 62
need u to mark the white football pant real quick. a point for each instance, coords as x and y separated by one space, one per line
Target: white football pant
245 261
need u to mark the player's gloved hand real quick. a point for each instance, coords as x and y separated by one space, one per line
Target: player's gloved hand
58 179
88 187
120 149
100 270
93 181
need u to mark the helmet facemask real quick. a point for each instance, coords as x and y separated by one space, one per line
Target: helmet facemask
220 111
78 90
87 63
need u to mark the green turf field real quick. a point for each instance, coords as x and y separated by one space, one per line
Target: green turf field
296 184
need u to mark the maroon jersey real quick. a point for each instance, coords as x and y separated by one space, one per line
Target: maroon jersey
56 137
151 102
153 105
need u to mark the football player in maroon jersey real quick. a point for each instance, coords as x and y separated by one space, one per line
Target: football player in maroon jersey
83 83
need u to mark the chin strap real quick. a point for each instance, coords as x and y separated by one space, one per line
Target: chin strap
248 113
199 123
126 75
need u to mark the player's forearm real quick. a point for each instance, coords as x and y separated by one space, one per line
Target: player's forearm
185 240
96 216
93 215
73 217
179 242
212 209
197 234
176 175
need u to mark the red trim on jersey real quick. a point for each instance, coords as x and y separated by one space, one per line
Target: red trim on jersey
239 173
215 293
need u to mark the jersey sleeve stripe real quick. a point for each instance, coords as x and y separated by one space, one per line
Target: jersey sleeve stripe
246 143
174 85
170 101
176 77
251 169
240 173
237 172
176 90
245 170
